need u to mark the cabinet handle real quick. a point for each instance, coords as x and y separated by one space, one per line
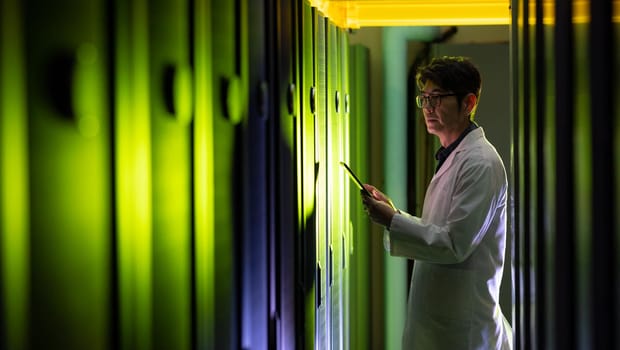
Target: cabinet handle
178 93
75 87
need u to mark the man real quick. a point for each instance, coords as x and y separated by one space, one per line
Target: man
458 244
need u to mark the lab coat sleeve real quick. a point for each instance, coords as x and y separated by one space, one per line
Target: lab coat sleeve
473 203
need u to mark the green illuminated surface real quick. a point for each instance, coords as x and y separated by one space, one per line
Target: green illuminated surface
334 186
305 137
69 177
321 182
229 63
345 241
171 176
359 159
133 175
13 180
306 159
204 178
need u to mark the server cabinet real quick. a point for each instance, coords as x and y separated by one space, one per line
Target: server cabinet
254 257
323 277
229 79
170 87
203 240
333 187
565 231
132 175
282 175
359 160
14 207
70 177
343 109
308 272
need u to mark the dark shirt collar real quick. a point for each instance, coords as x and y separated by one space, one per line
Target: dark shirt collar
443 152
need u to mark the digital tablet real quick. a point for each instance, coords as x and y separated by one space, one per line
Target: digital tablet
355 179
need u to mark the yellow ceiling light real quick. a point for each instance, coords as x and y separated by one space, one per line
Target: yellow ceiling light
385 13
382 13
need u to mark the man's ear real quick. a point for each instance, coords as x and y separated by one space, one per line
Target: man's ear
469 103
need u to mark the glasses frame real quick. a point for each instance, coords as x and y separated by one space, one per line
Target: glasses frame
421 100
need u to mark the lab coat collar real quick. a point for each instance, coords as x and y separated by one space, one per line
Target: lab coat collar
469 141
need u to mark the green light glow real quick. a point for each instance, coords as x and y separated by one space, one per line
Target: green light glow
307 118
14 196
320 138
306 158
345 196
203 175
171 174
69 180
133 145
334 187
360 240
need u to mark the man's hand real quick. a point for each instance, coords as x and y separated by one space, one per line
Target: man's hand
378 206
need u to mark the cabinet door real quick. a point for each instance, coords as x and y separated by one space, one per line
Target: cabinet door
345 197
359 310
306 177
335 184
70 174
133 174
284 125
229 79
170 87
14 200
203 247
254 258
334 200
323 250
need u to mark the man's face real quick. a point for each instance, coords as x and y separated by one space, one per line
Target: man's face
445 116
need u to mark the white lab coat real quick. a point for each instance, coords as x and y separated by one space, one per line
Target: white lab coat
458 245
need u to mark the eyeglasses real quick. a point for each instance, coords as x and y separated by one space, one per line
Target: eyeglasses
431 100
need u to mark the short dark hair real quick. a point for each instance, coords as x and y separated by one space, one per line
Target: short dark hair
451 73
